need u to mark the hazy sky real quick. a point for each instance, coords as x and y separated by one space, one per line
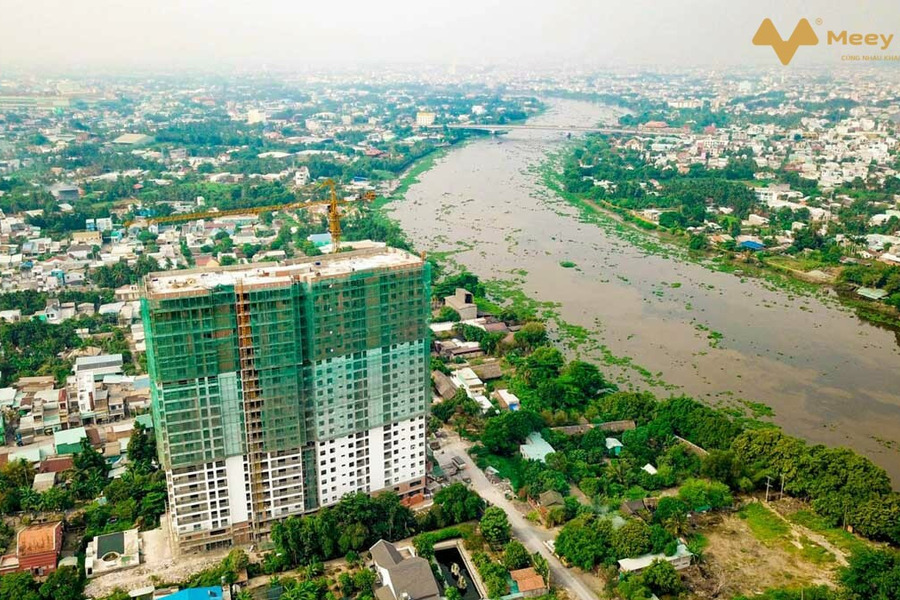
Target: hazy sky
174 34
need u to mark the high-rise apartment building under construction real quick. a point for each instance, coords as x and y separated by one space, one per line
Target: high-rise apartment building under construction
279 388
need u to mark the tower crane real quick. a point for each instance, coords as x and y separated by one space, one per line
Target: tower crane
334 215
333 203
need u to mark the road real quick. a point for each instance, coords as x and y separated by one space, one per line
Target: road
531 536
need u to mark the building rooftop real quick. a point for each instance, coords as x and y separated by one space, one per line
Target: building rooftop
43 481
132 138
38 539
69 436
409 577
527 580
204 593
175 283
642 562
536 447
84 363
111 552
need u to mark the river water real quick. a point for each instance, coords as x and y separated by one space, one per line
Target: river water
829 377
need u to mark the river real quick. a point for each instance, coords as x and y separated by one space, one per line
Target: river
829 377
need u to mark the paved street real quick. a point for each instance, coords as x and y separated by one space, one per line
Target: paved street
532 536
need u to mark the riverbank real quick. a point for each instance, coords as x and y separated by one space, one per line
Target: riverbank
655 318
667 243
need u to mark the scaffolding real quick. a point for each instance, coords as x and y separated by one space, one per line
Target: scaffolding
268 367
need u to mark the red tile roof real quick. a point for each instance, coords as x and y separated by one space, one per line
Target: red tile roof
528 579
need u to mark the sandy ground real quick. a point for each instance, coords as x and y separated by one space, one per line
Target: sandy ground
735 562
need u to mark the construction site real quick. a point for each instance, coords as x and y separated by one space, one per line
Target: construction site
279 388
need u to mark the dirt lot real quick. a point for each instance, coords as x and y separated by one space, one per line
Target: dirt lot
157 559
737 561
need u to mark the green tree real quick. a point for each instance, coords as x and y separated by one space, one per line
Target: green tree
515 556
18 586
697 493
542 365
66 583
88 459
495 526
447 314
458 504
872 574
584 379
542 567
531 335
631 539
304 590
698 242
17 473
504 433
662 578
142 449
364 581
721 465
586 541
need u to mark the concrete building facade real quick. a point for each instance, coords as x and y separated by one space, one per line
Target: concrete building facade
280 388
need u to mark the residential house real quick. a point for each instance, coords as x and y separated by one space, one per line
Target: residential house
112 552
535 447
680 560
614 446
527 583
463 303
506 399
467 379
38 548
402 577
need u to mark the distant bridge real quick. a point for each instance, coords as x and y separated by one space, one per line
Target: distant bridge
493 128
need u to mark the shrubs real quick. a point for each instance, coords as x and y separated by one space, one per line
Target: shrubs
589 540
424 542
493 574
699 494
354 523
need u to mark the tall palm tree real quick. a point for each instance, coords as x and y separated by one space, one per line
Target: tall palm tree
305 590
677 524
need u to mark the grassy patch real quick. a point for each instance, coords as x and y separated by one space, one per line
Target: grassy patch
765 525
567 264
815 553
840 538
509 468
772 530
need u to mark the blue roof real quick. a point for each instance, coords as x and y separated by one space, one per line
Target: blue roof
320 239
751 245
205 593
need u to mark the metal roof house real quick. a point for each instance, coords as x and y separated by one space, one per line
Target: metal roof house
680 560
535 447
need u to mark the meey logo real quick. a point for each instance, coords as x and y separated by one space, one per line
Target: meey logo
803 35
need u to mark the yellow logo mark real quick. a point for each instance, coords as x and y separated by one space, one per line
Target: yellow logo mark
803 35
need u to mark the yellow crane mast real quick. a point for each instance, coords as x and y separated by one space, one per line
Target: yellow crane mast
333 203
